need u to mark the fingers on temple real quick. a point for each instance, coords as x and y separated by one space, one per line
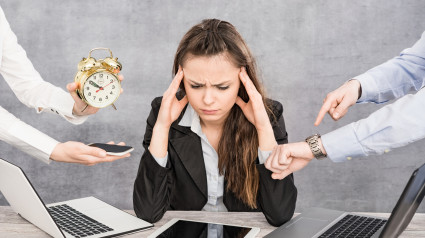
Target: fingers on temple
240 102
246 81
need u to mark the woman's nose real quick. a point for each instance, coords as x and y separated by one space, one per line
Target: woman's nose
208 97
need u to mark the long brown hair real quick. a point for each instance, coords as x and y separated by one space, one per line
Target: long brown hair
238 146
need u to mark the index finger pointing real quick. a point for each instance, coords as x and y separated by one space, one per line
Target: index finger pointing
325 108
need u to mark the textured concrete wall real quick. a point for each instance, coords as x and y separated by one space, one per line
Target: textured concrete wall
304 49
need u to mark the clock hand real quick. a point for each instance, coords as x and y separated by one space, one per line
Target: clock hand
101 88
94 84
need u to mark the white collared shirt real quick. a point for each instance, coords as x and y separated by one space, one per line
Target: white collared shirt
215 181
28 86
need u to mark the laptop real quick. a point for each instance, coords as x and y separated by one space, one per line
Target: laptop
320 223
84 217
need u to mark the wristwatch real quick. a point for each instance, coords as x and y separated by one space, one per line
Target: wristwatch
313 142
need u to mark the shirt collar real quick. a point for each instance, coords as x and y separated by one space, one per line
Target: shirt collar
191 119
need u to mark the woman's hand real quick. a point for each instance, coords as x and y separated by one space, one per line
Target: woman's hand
170 110
256 113
171 107
77 152
254 109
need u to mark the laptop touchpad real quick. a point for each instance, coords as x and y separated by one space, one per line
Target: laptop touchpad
304 227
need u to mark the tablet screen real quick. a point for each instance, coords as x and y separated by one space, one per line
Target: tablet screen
191 229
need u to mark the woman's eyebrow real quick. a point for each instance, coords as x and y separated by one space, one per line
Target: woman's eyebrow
218 84
222 83
195 82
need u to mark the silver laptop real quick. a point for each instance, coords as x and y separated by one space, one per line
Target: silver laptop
318 222
85 217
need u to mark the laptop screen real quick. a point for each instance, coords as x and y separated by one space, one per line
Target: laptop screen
407 204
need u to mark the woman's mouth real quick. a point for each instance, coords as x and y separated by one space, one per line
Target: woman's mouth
209 112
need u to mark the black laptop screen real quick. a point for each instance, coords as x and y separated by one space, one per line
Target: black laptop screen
407 205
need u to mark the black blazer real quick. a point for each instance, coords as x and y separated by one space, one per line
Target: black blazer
182 184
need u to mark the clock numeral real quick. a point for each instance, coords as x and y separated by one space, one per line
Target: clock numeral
88 88
94 97
100 99
94 77
113 86
112 80
89 93
101 75
106 97
107 76
111 93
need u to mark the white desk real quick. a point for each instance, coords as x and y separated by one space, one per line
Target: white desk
13 226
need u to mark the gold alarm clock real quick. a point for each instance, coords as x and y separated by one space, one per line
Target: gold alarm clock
97 80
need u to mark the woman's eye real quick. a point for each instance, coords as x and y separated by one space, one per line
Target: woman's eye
223 88
195 86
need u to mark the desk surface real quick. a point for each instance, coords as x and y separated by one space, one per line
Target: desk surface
12 225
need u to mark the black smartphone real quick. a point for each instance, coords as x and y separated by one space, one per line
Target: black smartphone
117 150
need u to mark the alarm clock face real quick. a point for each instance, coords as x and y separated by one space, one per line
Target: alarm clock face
101 89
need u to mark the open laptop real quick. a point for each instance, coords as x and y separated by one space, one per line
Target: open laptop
85 217
318 222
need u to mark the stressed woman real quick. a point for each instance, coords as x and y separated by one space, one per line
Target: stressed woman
208 137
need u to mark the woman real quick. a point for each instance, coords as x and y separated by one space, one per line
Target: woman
206 144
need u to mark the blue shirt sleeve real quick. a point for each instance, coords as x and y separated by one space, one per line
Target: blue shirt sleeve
396 77
392 126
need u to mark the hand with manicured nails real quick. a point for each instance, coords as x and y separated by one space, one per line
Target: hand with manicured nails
76 152
338 101
80 107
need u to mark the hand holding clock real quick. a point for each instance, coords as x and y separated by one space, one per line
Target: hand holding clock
80 107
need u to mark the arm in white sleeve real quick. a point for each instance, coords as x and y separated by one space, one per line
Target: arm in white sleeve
161 161
24 137
396 77
392 126
263 155
26 82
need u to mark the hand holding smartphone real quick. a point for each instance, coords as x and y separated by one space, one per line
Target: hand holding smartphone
117 150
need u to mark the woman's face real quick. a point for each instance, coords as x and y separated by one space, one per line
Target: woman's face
211 84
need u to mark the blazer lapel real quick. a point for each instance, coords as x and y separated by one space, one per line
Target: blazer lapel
189 150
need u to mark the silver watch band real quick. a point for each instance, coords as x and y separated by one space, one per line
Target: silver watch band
313 142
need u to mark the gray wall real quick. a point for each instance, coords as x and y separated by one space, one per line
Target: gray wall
304 50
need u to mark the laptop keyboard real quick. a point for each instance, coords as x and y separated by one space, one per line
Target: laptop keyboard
76 223
354 226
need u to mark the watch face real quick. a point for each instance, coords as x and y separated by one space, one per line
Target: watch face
101 89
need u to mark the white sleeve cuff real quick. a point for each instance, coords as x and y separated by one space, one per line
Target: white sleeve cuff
263 155
161 161
62 103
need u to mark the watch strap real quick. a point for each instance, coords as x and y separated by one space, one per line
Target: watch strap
313 143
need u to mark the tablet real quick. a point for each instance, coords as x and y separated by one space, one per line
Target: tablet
195 229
